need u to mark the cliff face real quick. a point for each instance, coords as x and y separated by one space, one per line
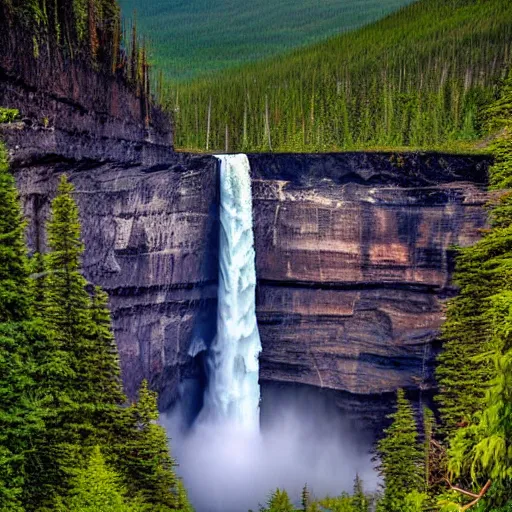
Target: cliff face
151 242
71 111
352 260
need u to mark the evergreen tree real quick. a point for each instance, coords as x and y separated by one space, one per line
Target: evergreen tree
109 387
483 449
63 359
305 499
97 488
19 415
279 501
360 501
147 461
401 458
38 276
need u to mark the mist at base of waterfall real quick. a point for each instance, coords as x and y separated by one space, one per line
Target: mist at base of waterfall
304 438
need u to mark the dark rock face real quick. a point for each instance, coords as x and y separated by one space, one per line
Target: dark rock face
76 113
353 260
151 242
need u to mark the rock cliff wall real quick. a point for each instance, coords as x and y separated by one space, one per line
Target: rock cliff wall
353 260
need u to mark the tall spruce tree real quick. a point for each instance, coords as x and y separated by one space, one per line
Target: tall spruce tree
97 488
401 458
147 461
63 360
19 415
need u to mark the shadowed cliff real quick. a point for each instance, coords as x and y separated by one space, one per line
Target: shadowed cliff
353 260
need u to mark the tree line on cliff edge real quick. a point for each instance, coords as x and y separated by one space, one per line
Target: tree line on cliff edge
69 438
89 33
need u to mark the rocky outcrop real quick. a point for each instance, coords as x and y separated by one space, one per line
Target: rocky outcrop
70 111
354 260
151 242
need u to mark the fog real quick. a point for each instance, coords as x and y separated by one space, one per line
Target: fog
304 438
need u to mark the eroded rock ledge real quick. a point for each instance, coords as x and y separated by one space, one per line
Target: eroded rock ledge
353 260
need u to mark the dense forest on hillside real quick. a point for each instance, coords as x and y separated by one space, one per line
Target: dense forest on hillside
418 78
196 37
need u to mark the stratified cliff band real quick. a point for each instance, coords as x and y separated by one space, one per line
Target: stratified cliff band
352 266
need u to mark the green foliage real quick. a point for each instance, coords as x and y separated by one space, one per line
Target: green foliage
19 414
418 78
13 254
476 365
401 461
146 460
482 270
341 503
64 361
483 449
360 502
97 488
279 501
186 40
8 115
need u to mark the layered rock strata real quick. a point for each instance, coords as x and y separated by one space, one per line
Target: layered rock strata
354 260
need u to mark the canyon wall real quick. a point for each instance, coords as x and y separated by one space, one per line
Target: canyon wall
353 260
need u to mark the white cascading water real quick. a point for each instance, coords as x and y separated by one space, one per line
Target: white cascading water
233 392
227 464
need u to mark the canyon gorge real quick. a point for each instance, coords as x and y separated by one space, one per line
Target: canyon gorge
354 251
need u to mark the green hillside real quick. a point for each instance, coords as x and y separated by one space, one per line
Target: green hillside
191 37
417 78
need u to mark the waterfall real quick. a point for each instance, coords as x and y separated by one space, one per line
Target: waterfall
233 392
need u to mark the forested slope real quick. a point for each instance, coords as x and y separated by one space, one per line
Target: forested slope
417 78
195 37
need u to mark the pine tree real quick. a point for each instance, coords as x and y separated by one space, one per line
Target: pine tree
305 498
360 501
97 488
279 501
483 449
19 415
401 458
147 462
108 384
62 360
